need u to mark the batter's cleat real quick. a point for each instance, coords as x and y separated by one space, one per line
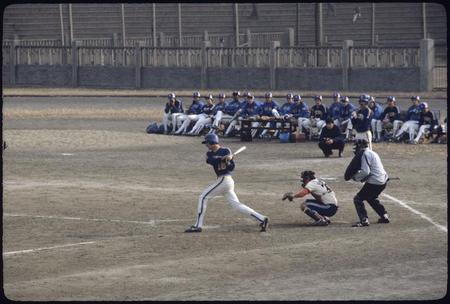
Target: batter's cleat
384 219
363 223
327 219
321 222
264 225
193 229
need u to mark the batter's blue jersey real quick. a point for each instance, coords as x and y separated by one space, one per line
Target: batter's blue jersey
220 167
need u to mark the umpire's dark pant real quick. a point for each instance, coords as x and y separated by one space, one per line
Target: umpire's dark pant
337 144
369 193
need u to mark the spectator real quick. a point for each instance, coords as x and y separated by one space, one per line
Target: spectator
174 107
356 13
331 138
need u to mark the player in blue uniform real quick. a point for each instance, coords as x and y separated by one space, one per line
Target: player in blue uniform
361 120
191 114
269 111
334 110
391 117
345 122
412 120
173 108
231 111
222 161
300 112
427 122
286 110
375 124
318 115
205 117
216 117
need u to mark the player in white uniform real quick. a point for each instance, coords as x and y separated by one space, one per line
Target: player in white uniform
222 161
324 204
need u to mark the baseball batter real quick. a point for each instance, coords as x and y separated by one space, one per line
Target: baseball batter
221 159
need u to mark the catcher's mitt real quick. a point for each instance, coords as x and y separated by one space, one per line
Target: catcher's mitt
288 195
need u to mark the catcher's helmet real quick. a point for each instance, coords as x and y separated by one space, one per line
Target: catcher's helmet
236 93
307 174
391 98
359 145
268 95
297 98
171 96
344 99
196 94
289 96
211 139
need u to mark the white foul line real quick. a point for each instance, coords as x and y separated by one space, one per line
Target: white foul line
424 216
45 248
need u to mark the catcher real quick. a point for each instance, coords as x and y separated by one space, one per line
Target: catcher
324 204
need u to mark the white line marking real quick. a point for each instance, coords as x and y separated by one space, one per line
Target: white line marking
422 215
67 154
45 248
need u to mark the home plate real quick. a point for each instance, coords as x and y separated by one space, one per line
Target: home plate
66 154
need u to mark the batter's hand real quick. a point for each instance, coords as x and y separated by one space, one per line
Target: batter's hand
227 158
288 195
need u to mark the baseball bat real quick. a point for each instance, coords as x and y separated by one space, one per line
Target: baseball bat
235 153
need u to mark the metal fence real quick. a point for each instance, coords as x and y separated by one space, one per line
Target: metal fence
330 57
440 77
44 55
384 57
171 57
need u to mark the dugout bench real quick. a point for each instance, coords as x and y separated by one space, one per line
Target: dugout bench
286 126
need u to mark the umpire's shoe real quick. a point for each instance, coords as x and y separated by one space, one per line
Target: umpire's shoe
264 225
193 229
363 223
384 219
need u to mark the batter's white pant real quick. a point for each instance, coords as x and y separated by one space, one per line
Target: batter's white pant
376 128
200 124
411 126
365 135
422 130
187 119
223 186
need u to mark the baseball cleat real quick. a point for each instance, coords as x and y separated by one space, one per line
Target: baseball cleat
327 219
193 229
321 222
363 223
264 225
384 219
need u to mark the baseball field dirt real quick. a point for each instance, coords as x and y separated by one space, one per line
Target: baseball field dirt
94 209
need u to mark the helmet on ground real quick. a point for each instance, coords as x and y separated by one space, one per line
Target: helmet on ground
364 98
171 96
344 99
268 95
336 95
307 174
318 97
196 94
359 145
211 139
289 96
222 95
297 98
391 98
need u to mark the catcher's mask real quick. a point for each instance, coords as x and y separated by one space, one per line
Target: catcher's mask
359 145
307 175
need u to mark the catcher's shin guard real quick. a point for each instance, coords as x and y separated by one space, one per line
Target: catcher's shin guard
313 214
360 209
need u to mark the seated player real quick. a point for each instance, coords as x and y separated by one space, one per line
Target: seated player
205 117
220 106
318 115
331 138
375 123
324 204
286 110
411 124
427 122
269 111
173 108
390 118
334 110
231 112
440 134
191 114
300 112
345 122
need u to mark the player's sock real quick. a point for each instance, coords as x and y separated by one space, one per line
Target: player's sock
313 214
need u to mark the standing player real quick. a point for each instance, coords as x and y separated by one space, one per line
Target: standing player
324 204
361 120
391 116
375 124
366 167
345 121
173 108
411 123
221 159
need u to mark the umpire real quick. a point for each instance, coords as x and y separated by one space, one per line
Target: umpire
366 167
331 138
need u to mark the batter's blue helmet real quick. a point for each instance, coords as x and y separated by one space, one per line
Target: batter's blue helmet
211 139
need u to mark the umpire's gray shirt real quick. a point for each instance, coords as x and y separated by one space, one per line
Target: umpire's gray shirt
372 170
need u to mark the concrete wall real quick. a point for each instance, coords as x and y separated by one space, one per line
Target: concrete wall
106 77
308 79
232 78
384 79
177 78
5 76
44 75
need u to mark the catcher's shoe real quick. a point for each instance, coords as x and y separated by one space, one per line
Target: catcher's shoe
321 222
327 219
363 223
264 225
193 229
384 219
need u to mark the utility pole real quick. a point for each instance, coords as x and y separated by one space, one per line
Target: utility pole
319 24
236 25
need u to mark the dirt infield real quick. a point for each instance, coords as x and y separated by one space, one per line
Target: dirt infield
94 209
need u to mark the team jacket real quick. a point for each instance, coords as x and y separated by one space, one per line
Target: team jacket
346 111
195 108
251 109
319 111
219 107
377 110
414 113
362 121
232 107
267 108
176 107
334 133
335 110
392 113
286 108
428 118
300 110
220 167
207 109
